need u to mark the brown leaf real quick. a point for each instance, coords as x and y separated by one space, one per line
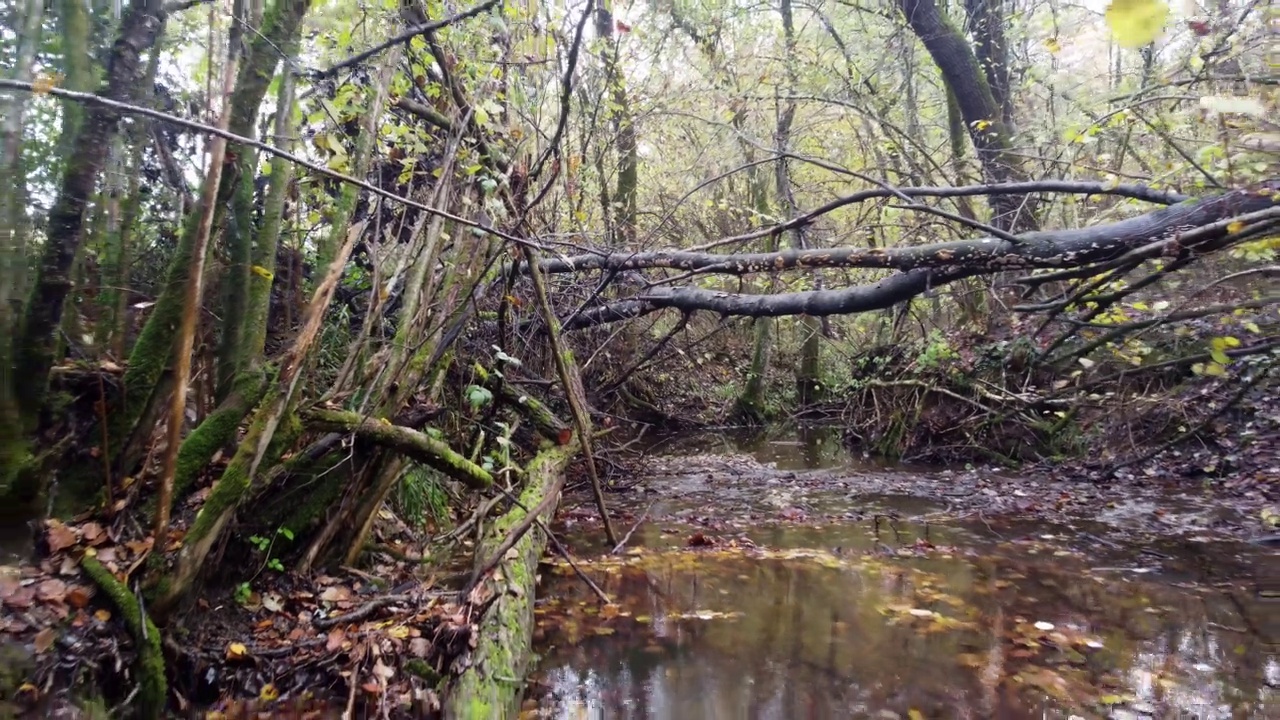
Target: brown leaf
52 590
335 640
335 593
371 688
44 639
78 596
21 598
59 536
93 533
10 583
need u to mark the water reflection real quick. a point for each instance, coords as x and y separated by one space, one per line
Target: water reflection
827 637
788 447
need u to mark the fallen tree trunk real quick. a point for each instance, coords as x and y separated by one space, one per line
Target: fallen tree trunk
489 682
1198 226
1041 249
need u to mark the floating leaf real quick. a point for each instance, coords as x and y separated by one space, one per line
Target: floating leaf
1136 23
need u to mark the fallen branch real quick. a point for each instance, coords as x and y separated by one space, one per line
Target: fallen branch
361 613
421 447
625 538
1192 432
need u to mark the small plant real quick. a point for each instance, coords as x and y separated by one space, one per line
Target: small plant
263 545
937 352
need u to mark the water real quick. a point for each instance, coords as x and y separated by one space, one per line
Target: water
845 613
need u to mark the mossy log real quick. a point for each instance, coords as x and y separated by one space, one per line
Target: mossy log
491 685
153 690
419 446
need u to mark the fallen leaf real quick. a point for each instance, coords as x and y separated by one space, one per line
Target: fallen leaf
335 639
335 593
93 533
78 596
59 536
236 651
52 590
44 639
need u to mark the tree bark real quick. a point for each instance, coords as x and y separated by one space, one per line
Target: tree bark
986 24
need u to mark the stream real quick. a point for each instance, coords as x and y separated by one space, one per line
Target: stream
778 577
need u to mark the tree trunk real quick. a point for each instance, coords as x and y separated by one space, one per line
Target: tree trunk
963 74
13 228
66 219
279 35
986 24
624 199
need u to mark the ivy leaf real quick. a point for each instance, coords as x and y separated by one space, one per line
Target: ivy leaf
478 396
1136 23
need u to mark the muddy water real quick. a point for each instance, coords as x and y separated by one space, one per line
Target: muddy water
772 579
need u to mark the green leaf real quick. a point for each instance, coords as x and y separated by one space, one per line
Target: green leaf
1136 23
478 396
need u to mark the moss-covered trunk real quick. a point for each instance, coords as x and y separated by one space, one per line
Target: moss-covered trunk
261 446
13 228
492 683
279 36
65 228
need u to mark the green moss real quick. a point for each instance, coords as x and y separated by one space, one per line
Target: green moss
490 688
419 667
152 688
151 353
217 430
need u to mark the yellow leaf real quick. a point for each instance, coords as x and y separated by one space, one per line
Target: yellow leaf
1136 23
915 714
262 272
44 82
236 650
1052 46
269 693
1235 226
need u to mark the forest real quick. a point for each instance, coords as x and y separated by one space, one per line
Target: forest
332 330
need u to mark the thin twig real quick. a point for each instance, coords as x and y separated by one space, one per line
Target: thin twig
627 537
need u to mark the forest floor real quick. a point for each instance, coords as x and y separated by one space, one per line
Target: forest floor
382 636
